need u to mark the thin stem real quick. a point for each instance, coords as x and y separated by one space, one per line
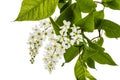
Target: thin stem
94 38
99 33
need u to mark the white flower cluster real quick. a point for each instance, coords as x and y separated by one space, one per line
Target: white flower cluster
57 44
37 37
54 52
68 37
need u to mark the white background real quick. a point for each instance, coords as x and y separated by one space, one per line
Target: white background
14 54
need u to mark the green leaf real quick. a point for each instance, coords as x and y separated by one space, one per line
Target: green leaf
103 58
90 63
99 14
55 26
36 9
100 41
95 46
63 4
81 72
87 53
89 76
87 23
71 53
113 4
60 5
77 13
98 17
86 5
71 13
112 30
96 52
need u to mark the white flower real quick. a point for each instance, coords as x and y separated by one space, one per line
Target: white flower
75 28
61 49
58 55
55 45
30 42
39 35
76 34
39 43
52 39
69 43
42 38
32 37
46 60
50 33
36 28
49 49
45 33
51 57
66 26
45 24
50 66
62 37
63 33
